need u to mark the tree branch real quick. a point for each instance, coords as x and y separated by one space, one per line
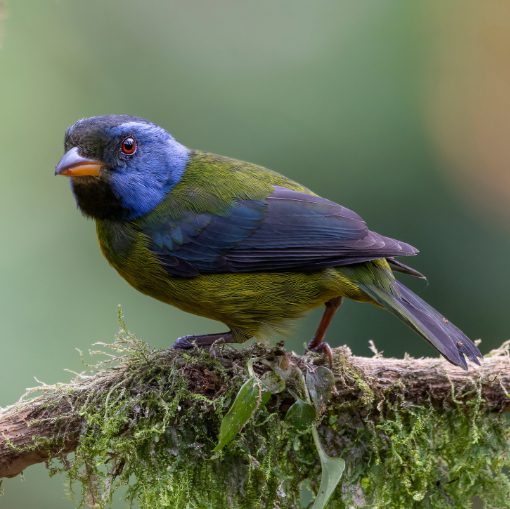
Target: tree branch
49 424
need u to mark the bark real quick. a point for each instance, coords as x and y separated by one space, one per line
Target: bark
48 425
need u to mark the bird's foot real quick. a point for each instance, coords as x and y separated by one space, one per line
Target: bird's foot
203 341
184 343
324 348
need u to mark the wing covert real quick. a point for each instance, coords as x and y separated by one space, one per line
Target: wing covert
288 230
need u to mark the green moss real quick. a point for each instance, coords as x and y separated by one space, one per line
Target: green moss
149 434
153 432
423 457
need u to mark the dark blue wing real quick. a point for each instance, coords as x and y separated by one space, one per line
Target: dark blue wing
288 230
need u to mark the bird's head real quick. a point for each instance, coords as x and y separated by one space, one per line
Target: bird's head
121 167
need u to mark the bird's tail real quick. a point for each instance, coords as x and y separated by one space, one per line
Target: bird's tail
451 342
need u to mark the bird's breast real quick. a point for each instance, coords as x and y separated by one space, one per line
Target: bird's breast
126 249
116 240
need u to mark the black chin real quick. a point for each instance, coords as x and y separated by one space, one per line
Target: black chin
96 199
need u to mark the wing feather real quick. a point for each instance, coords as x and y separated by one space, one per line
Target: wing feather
288 230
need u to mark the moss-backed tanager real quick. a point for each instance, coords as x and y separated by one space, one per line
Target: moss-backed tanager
233 241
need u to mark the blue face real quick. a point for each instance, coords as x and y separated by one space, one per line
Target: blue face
141 164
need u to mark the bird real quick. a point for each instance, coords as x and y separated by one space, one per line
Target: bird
233 241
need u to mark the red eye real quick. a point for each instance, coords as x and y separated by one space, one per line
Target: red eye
128 146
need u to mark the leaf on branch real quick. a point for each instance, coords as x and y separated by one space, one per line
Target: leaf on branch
272 382
332 471
320 384
301 415
244 406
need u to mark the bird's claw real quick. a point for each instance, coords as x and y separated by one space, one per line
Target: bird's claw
184 343
202 341
324 348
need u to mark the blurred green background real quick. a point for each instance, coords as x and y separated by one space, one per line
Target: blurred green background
399 110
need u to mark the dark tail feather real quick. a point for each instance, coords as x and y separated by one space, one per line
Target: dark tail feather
398 266
451 342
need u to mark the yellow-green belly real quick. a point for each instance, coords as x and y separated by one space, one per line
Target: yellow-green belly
248 303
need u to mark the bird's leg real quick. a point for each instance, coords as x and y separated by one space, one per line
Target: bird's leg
317 344
205 340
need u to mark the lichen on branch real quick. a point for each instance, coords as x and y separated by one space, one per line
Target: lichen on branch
413 432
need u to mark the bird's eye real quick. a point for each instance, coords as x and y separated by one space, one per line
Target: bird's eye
128 146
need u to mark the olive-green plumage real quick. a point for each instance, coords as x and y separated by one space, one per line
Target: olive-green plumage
233 241
250 304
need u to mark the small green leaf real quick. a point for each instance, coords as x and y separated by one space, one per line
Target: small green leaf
306 494
320 383
239 414
264 399
272 382
332 471
301 414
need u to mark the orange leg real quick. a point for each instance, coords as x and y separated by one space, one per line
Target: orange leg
318 344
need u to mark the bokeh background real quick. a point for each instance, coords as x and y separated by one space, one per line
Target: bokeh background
398 109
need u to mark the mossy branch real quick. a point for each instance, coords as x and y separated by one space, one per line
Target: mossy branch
145 400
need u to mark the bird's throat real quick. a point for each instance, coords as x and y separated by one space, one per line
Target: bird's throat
96 199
